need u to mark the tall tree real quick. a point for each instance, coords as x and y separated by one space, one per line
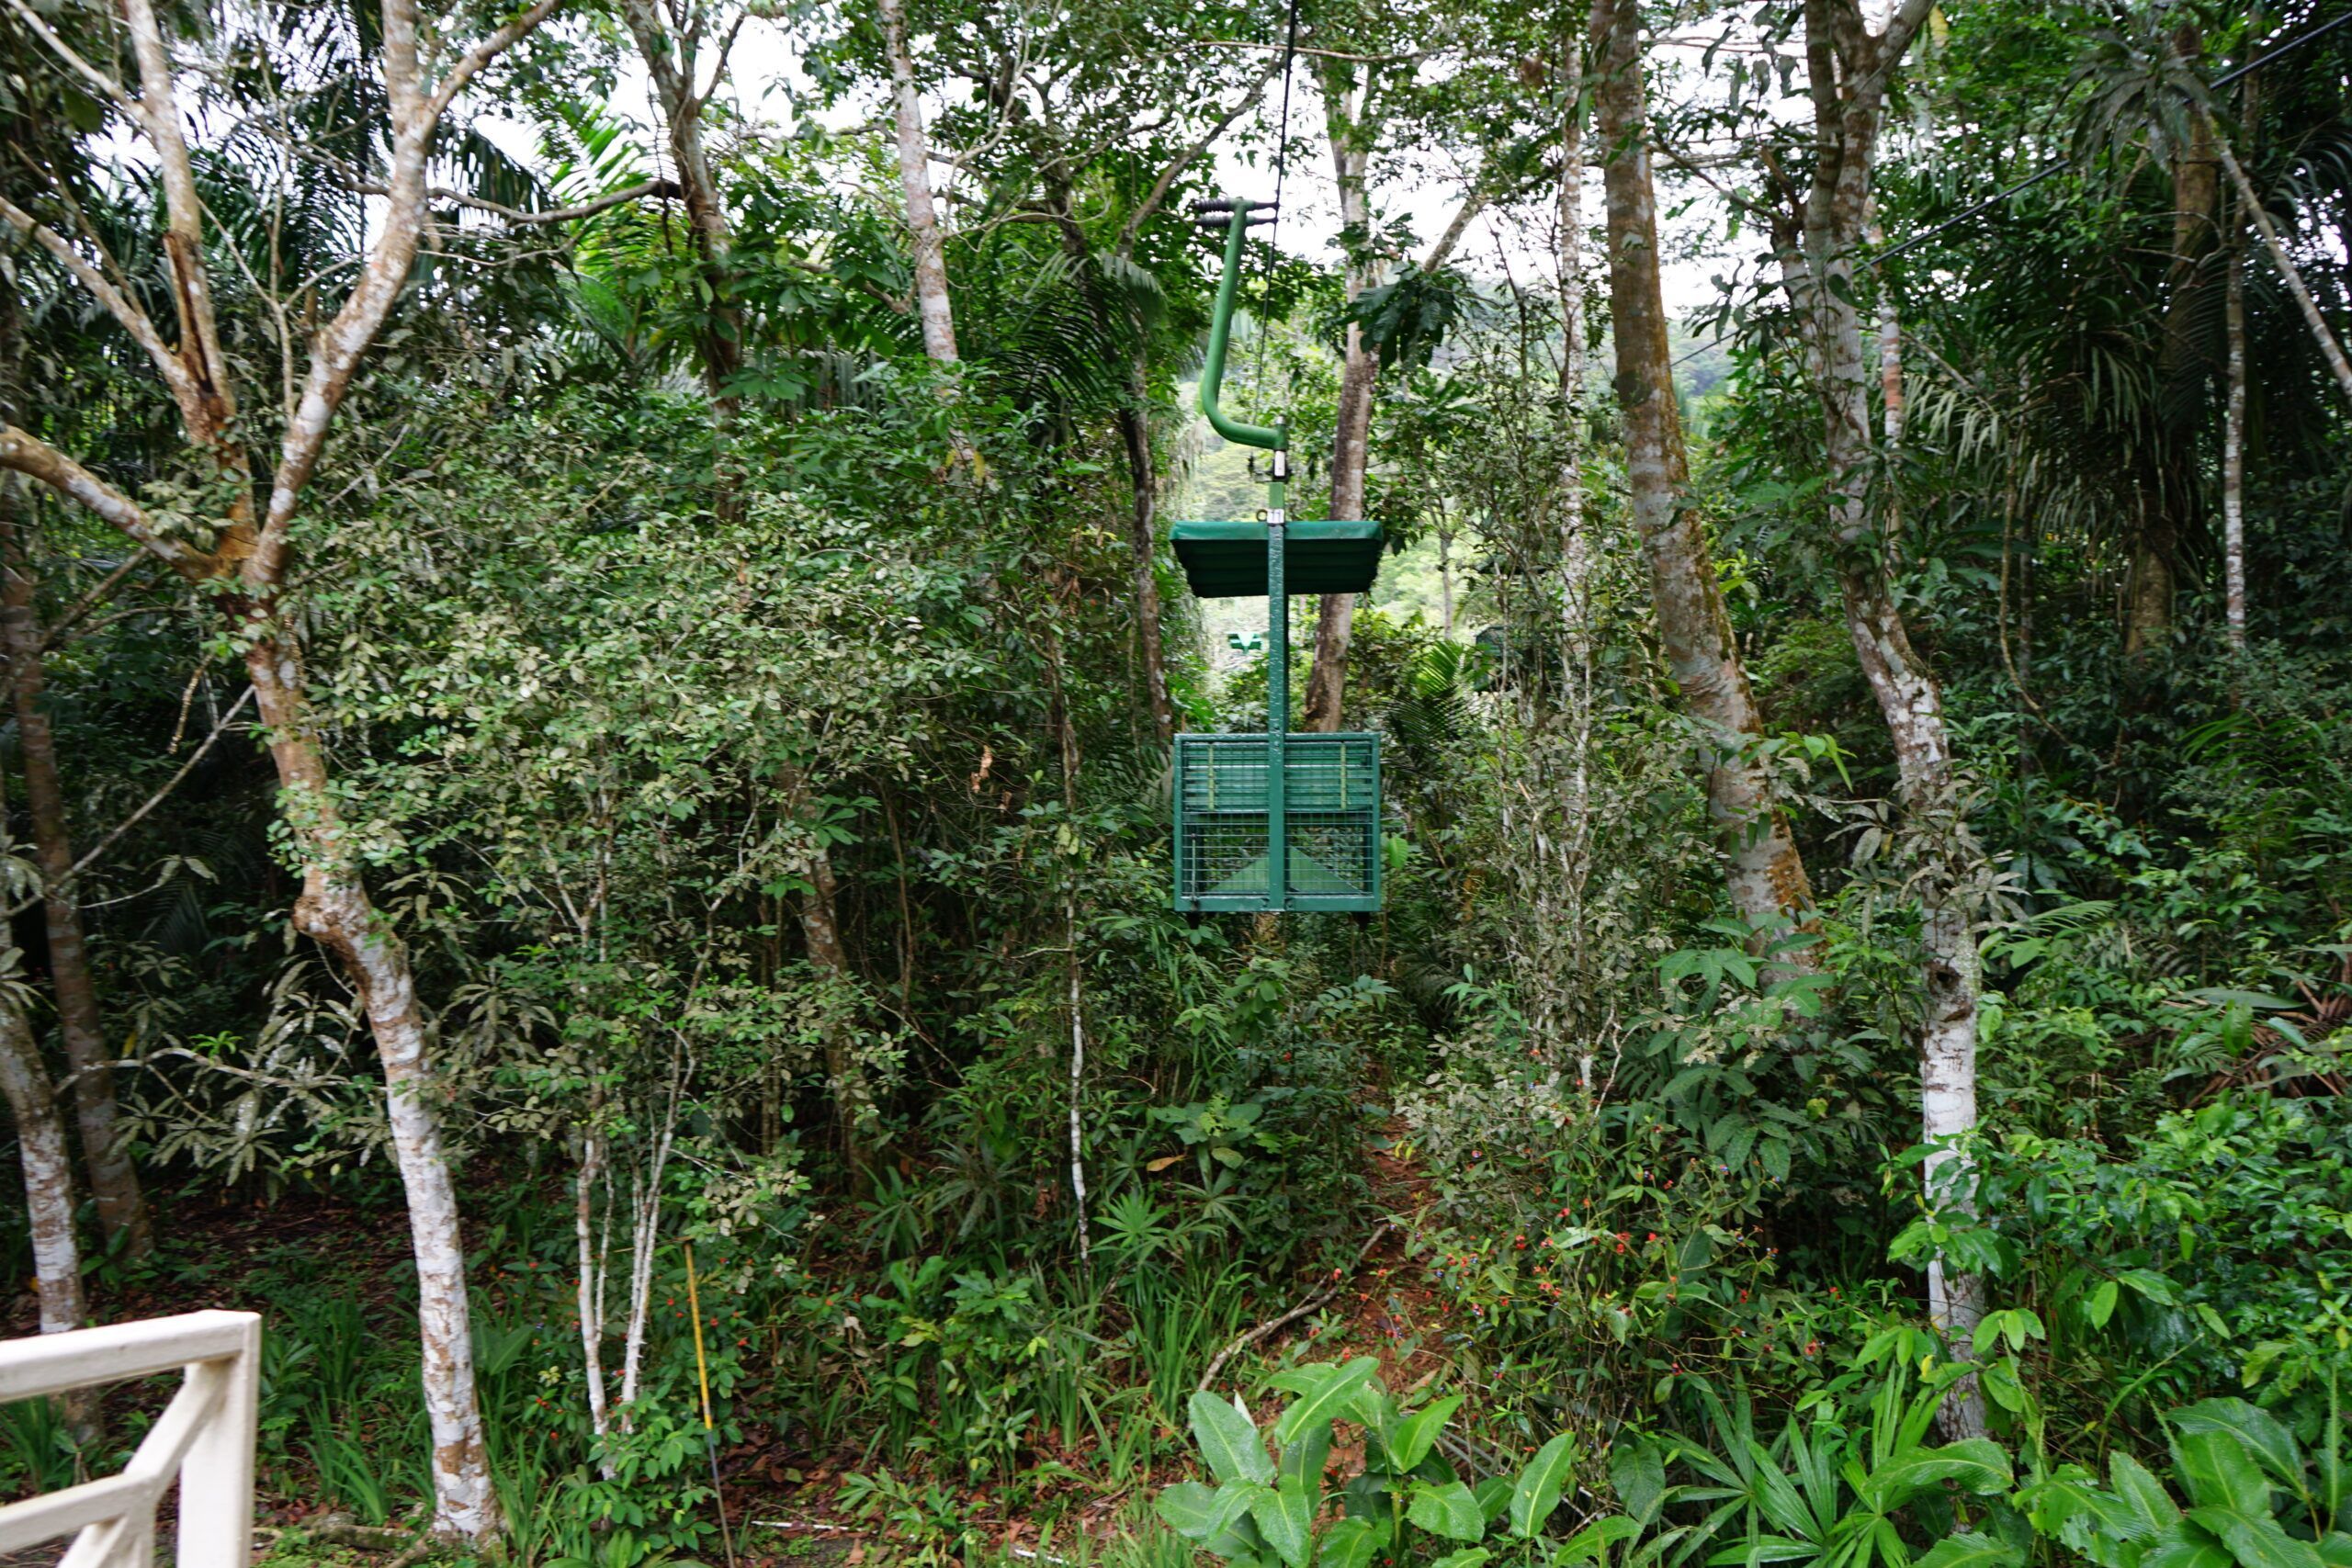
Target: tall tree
1361 102
1765 875
931 303
106 1154
247 564
1848 68
669 35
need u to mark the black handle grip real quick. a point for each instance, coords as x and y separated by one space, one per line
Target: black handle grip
1225 204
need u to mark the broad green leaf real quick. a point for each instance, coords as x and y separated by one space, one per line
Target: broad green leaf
1414 1436
1976 1464
1538 1490
1369 1497
1229 1440
2335 1550
1318 1406
1450 1510
1190 1510
2260 1431
2221 1472
2185 1545
1638 1473
1234 1502
1766 1549
1469 1557
1285 1517
2150 1504
1593 1541
1971 1550
1306 1456
1351 1544
2255 1542
1494 1495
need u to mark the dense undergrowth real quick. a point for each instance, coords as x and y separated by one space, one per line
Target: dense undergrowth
759 771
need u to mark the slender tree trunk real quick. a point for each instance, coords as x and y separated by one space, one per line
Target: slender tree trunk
2234 452
2321 333
1347 121
114 1181
2165 490
1765 874
1143 550
821 932
1848 107
670 60
1576 550
48 1185
591 1295
931 304
48 1168
1348 100
1066 731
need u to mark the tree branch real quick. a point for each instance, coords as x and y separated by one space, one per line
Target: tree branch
82 68
637 192
30 456
482 54
1903 26
1185 160
118 305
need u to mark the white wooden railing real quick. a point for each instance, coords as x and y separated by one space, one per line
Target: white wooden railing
204 1440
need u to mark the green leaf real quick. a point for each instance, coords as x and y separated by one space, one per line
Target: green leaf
2256 1542
1285 1517
1469 1557
1229 1440
1971 1550
2258 1429
2002 1386
1450 1510
1538 1491
2221 1472
2185 1545
1320 1399
1418 1433
1638 1473
1351 1544
1307 1457
2101 1305
1190 1510
1494 1497
1976 1464
1593 1541
2140 1491
1232 1505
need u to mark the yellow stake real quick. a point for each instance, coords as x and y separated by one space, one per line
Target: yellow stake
702 1376
693 1306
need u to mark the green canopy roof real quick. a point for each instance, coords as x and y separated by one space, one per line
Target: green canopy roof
1228 561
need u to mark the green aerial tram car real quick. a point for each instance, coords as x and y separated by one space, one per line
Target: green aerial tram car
1247 804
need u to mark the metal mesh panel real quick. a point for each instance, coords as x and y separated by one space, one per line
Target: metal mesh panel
1332 790
1221 815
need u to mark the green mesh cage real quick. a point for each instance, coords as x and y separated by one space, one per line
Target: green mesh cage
1331 822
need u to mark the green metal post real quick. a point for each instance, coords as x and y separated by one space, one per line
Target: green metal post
1270 438
1277 689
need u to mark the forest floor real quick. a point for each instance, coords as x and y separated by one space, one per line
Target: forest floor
786 1505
